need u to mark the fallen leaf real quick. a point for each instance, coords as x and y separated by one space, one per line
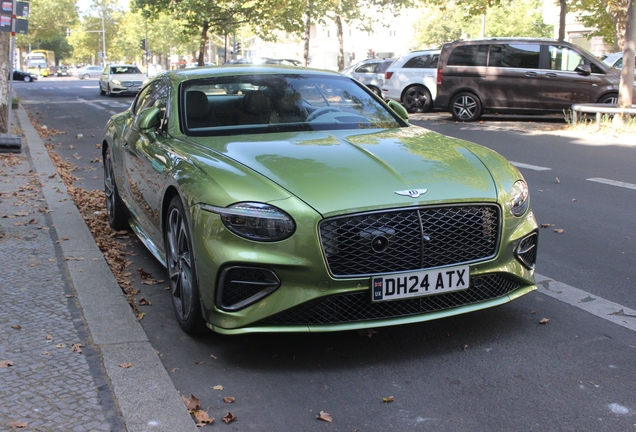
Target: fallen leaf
16 327
545 225
544 321
174 370
559 231
46 353
199 363
60 345
557 179
573 199
228 399
218 387
213 356
49 337
144 302
202 418
324 417
18 425
389 399
191 404
141 316
76 347
229 417
126 365
5 364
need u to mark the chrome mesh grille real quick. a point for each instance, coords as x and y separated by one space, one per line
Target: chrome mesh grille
415 239
355 307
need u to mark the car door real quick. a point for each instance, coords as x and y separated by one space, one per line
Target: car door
365 73
145 161
564 82
513 77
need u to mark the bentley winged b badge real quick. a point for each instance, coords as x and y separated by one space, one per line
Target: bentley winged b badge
413 193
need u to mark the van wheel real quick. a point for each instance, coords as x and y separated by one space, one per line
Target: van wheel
465 107
611 99
417 99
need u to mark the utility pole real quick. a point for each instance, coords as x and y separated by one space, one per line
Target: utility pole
103 39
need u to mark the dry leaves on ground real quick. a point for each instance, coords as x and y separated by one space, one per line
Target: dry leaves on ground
324 417
92 207
229 417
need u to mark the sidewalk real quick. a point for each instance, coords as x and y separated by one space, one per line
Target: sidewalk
65 325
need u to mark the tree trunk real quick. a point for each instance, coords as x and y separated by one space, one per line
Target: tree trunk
340 43
307 33
626 90
5 68
203 42
562 13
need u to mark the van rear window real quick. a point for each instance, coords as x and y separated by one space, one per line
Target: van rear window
469 55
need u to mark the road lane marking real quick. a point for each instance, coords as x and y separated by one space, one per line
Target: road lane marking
613 183
609 311
531 167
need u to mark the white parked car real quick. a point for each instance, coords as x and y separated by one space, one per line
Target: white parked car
121 79
412 80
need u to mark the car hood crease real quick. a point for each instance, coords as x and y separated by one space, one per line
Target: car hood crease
338 171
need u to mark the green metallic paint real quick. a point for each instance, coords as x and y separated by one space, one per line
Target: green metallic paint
303 174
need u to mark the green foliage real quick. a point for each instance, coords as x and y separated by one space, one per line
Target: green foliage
454 21
593 14
48 21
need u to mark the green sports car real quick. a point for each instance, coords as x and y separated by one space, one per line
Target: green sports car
286 199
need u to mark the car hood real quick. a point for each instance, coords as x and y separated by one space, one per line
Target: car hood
128 77
338 171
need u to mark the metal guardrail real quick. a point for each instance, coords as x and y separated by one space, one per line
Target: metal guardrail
599 109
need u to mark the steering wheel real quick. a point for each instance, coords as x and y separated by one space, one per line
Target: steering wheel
320 111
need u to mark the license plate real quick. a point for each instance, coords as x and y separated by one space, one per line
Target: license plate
422 283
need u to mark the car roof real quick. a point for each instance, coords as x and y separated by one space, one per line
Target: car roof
246 69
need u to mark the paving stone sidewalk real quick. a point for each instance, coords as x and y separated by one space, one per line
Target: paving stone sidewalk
58 297
44 383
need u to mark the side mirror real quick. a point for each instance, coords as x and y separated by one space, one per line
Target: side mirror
148 119
399 109
583 69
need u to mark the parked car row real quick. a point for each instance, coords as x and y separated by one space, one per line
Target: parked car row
471 77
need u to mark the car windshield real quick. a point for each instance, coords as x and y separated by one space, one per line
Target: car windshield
260 103
124 70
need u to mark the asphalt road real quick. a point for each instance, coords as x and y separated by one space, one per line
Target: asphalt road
494 370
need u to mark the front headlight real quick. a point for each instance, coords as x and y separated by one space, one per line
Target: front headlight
116 82
255 221
519 198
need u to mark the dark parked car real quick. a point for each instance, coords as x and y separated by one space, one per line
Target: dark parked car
19 75
520 75
288 199
62 71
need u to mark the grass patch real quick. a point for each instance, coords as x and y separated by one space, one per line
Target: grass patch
587 123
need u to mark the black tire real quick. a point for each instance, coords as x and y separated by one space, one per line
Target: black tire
86 76
611 99
376 90
115 207
465 107
417 99
184 289
27 79
101 92
108 93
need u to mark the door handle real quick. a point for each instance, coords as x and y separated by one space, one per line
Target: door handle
531 74
551 75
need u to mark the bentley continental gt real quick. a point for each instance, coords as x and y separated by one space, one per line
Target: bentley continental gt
287 199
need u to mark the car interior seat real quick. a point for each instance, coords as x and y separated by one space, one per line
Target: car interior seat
198 114
288 109
255 108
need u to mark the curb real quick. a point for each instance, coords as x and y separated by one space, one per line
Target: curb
145 394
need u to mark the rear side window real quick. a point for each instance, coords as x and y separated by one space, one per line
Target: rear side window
382 67
417 62
367 68
524 56
469 55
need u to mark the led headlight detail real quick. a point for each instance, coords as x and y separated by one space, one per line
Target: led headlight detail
519 198
116 82
255 221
